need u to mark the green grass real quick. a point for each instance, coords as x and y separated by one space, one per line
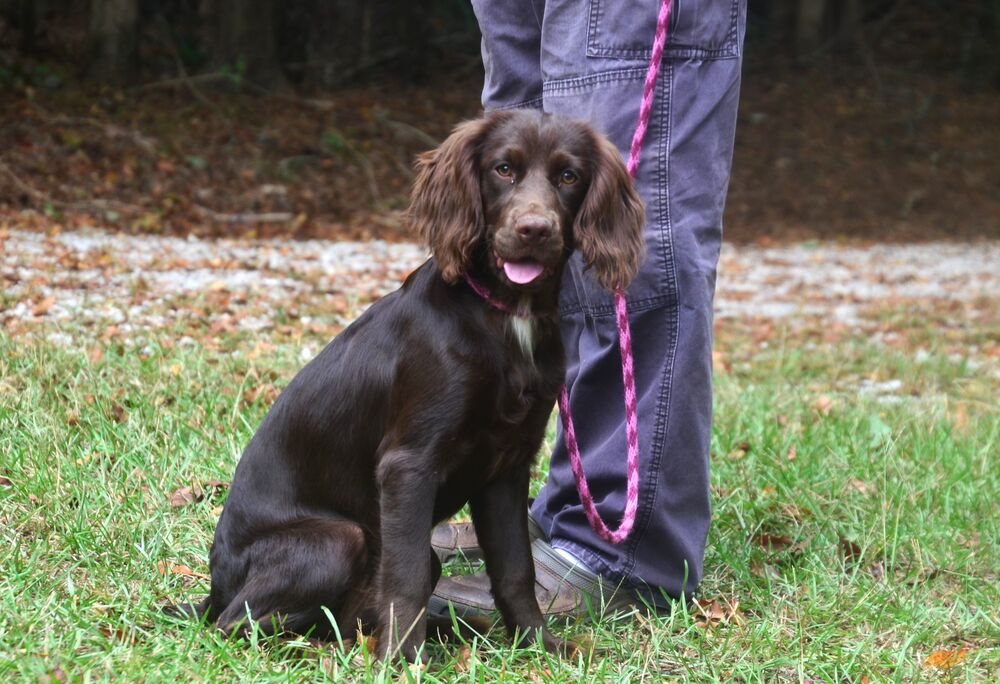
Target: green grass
883 548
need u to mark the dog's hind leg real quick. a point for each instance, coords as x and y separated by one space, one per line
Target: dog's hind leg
294 572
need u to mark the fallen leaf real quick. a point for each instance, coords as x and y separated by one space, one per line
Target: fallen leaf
266 393
823 404
182 570
43 306
117 634
57 675
186 495
463 659
739 451
764 570
945 660
859 486
5 482
542 674
773 542
959 417
720 363
792 453
717 612
118 413
852 552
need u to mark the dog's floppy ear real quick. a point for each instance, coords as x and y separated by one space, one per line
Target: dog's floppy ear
446 206
608 230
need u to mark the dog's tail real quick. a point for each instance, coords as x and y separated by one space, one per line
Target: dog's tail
196 611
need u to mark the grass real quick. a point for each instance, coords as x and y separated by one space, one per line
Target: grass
855 534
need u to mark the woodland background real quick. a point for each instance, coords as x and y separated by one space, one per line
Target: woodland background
859 119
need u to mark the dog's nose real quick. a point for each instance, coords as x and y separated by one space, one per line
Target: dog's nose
532 228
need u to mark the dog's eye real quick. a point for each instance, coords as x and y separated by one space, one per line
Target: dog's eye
503 170
568 177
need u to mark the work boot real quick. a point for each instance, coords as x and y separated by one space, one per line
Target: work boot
458 540
563 587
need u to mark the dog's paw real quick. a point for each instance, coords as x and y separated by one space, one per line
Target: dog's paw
567 648
551 643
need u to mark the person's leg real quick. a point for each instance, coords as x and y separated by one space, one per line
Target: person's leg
511 41
594 58
593 61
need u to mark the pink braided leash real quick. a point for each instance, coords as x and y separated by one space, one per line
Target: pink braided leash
624 338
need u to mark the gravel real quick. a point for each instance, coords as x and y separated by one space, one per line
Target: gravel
79 282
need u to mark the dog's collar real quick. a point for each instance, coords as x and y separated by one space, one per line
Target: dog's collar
487 297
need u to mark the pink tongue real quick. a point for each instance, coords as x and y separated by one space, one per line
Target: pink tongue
522 272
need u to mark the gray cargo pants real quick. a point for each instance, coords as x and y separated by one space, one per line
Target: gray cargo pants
588 60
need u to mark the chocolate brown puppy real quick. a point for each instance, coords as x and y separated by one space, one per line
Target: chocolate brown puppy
432 399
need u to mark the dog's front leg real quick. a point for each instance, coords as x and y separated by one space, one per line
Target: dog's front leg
405 576
500 515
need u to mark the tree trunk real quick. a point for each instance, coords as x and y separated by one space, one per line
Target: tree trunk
114 30
245 42
809 26
339 41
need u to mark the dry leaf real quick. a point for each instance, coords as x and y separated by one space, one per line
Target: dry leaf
859 486
463 659
118 413
852 552
773 542
266 393
959 417
823 405
5 482
57 675
740 450
720 363
117 634
43 306
717 612
182 570
186 495
764 570
792 453
945 660
542 674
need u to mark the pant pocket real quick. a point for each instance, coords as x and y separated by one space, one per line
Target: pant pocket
699 29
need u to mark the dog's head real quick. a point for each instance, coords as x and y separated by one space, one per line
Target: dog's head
521 189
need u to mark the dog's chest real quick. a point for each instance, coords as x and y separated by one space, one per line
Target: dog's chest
522 329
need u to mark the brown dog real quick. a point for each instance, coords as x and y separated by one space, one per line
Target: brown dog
432 399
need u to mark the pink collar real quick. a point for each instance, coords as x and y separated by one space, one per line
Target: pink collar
487 297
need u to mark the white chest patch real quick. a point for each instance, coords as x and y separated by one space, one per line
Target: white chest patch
523 329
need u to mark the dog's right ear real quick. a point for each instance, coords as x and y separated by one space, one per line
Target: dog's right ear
446 205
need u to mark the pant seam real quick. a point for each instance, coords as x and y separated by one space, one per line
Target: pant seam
533 103
649 495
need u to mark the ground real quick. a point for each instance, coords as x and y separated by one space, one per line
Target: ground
853 456
857 361
821 153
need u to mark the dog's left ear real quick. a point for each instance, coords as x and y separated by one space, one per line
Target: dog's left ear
608 230
446 205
